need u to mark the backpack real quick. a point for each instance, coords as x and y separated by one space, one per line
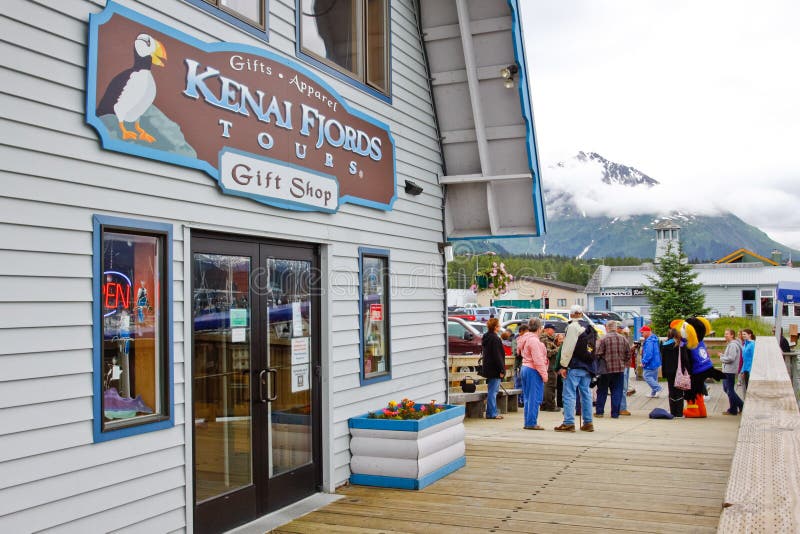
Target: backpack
586 346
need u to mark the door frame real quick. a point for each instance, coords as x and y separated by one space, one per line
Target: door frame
322 455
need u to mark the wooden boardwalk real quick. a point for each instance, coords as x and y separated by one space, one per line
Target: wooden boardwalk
632 474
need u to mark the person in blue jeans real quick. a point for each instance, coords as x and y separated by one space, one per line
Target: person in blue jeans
494 366
651 360
730 366
577 374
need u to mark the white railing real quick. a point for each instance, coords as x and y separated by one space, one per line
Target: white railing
763 493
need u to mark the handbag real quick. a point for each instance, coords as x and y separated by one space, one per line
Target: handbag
479 367
682 379
468 384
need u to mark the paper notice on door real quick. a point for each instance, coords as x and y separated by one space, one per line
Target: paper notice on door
299 350
297 320
238 335
300 378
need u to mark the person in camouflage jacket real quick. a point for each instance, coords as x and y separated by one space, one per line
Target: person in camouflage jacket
551 343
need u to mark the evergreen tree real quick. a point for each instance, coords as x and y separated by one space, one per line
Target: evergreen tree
674 292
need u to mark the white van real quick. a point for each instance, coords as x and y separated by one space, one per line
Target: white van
510 314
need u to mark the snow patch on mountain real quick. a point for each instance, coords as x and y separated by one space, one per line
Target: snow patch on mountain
584 251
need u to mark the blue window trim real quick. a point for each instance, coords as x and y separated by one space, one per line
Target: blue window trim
235 21
100 223
381 253
327 69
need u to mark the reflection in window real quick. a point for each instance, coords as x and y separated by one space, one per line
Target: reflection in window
375 315
767 307
350 35
251 11
135 350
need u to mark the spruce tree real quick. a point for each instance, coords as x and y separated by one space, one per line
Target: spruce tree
674 292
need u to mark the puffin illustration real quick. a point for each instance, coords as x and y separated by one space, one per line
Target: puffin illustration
133 90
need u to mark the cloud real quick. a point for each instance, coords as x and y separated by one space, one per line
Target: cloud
591 196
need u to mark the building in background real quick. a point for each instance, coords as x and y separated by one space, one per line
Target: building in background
742 284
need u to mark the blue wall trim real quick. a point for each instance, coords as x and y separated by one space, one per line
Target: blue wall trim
526 106
99 222
255 31
523 87
409 483
451 411
118 145
362 251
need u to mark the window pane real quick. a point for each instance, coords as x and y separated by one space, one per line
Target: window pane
133 351
376 44
221 317
251 9
330 29
767 307
375 316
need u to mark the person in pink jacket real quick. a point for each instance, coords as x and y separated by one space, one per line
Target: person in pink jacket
534 373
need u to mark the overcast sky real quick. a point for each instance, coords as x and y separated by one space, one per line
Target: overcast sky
701 95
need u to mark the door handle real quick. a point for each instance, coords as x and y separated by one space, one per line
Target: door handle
273 394
261 380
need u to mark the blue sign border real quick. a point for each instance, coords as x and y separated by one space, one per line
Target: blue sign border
118 145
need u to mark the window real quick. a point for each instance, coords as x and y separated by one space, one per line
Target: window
374 269
455 330
561 303
132 327
350 36
249 15
767 303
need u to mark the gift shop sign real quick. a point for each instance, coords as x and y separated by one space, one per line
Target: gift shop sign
263 127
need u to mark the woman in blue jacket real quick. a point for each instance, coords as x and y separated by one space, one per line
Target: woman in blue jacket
748 349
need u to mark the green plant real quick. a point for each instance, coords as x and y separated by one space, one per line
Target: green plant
406 409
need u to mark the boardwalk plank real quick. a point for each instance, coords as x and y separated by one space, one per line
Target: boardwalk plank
632 474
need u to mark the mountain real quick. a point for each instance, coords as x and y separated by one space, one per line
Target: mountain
571 232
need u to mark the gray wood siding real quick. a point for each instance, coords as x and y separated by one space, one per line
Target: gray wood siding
54 176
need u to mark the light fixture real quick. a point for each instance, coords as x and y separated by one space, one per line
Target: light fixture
446 248
507 73
412 188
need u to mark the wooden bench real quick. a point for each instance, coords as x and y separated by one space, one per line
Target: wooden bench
475 403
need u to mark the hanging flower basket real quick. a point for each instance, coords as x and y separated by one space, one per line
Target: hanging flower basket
494 278
392 452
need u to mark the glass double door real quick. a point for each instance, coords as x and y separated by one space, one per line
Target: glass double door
255 378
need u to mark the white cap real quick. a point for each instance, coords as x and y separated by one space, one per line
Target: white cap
576 308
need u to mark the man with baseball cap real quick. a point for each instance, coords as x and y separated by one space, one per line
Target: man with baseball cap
651 360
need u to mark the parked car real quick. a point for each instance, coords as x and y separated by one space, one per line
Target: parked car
462 337
629 315
507 314
712 314
602 317
513 325
484 314
479 326
461 313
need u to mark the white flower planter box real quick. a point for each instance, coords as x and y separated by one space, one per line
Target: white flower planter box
407 454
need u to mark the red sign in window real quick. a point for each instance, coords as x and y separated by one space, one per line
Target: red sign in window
376 312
